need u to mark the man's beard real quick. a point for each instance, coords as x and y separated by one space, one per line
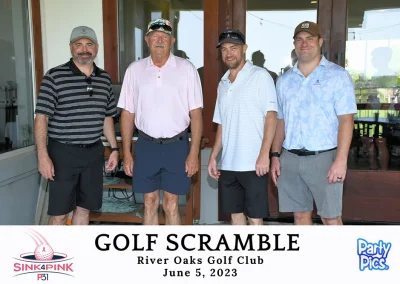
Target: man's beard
84 61
233 65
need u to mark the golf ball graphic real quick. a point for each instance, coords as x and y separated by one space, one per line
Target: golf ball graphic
44 252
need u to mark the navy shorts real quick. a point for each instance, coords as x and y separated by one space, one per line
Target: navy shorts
161 166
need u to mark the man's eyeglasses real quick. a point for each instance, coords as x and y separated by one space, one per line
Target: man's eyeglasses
89 87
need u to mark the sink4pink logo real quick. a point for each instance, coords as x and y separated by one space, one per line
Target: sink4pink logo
43 261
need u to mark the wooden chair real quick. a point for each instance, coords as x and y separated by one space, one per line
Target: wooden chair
188 212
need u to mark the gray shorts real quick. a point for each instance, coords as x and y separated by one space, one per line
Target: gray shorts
304 179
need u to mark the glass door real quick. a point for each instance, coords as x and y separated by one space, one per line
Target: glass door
373 61
269 32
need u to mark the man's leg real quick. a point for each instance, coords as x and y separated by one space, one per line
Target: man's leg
256 221
80 216
303 218
232 197
332 221
62 191
151 204
255 196
58 220
328 197
90 190
171 208
238 219
294 194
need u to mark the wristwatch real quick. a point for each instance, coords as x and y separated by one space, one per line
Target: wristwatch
275 154
114 149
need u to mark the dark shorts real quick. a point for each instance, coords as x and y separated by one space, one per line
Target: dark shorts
78 177
244 192
161 166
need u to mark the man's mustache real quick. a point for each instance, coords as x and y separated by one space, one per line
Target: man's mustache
85 53
159 45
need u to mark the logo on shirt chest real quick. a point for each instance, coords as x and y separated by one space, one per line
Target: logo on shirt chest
317 83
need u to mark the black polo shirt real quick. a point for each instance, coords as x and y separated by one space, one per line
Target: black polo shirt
75 104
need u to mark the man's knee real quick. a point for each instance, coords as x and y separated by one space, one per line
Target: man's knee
302 217
58 220
170 203
255 221
332 221
151 201
81 211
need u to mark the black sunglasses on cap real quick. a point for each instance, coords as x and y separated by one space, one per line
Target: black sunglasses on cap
231 36
157 26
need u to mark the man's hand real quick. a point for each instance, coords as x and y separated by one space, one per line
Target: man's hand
275 169
46 167
191 164
262 165
128 164
112 161
212 168
337 172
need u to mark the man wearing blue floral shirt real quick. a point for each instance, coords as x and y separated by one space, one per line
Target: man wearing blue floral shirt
316 107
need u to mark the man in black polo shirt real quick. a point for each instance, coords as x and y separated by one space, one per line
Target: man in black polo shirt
74 108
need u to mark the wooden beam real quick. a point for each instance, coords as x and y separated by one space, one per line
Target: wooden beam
239 15
110 36
339 31
37 43
325 22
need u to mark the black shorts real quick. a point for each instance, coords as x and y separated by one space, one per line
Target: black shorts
78 177
244 192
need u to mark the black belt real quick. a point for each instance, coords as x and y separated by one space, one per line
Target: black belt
91 145
173 139
304 152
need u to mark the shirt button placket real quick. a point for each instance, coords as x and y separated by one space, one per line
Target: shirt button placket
159 78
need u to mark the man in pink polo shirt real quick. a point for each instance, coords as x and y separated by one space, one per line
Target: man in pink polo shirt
161 95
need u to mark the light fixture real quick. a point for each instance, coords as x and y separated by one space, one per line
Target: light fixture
314 2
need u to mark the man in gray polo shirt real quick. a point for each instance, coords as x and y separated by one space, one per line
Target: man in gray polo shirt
245 112
74 108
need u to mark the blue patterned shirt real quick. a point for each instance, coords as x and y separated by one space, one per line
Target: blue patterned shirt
310 106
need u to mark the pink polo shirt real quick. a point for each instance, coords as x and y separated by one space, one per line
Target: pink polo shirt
161 98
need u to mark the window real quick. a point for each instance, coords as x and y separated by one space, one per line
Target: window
186 16
16 92
269 32
373 61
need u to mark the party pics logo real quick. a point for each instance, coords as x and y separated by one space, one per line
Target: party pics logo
43 261
373 256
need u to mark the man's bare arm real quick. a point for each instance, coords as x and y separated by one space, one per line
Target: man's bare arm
196 129
127 128
279 136
40 130
269 132
109 131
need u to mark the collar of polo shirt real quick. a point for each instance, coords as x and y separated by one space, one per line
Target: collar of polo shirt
170 62
245 68
76 70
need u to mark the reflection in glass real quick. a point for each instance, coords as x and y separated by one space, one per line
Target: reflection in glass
269 33
16 93
186 16
373 61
